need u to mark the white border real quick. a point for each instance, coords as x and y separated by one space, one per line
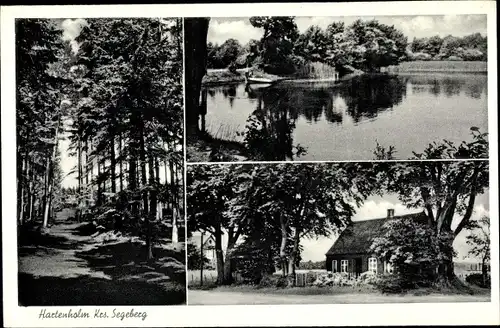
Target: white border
269 315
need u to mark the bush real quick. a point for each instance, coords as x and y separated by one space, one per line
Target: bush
273 281
420 56
392 284
477 279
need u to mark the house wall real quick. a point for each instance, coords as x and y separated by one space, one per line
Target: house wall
350 257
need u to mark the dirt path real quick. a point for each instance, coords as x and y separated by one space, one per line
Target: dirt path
203 297
66 266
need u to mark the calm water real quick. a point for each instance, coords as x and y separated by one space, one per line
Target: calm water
344 121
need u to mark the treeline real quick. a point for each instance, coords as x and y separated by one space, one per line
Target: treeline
262 212
123 117
365 45
39 115
283 49
473 47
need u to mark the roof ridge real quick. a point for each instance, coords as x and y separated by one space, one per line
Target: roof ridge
385 217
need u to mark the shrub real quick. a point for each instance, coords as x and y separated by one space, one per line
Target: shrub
392 284
477 279
273 281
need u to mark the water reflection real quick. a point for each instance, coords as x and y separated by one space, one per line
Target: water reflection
282 122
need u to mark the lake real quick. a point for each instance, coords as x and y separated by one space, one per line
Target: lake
345 120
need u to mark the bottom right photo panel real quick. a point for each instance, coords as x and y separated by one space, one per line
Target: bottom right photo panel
331 233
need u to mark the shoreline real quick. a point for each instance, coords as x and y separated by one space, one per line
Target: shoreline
215 77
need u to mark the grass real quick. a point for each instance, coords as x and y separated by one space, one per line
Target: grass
206 148
442 66
223 76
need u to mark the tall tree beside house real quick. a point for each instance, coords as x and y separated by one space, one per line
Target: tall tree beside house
480 243
209 190
445 190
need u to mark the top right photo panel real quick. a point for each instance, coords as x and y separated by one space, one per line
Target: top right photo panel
269 88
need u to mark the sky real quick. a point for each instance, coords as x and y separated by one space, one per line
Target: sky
376 207
221 29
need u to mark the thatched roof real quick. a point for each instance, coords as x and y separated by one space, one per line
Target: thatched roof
358 236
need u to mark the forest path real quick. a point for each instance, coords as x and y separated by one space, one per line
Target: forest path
69 265
56 254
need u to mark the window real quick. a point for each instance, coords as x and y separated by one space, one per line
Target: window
372 264
388 267
343 266
334 266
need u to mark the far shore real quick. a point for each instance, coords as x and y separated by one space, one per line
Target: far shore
224 76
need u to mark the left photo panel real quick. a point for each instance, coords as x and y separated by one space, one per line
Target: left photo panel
100 180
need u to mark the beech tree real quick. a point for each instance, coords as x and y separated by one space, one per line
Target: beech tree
282 203
445 190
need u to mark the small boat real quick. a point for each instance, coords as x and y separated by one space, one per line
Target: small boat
249 79
258 80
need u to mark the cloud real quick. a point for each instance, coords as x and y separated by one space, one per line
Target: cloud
222 29
241 30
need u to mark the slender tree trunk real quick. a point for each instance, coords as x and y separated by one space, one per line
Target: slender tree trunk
219 255
99 189
21 190
293 257
173 193
152 196
113 164
142 156
49 174
157 175
31 194
120 160
284 237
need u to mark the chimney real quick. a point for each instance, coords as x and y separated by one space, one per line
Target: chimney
390 213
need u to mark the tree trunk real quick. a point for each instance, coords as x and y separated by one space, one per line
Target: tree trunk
219 256
113 164
21 189
152 200
293 258
49 177
484 272
142 158
173 193
283 257
195 53
120 160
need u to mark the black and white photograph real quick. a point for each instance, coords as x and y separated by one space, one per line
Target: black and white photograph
334 233
267 88
100 201
250 164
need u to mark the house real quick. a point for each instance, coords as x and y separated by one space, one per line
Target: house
351 251
208 247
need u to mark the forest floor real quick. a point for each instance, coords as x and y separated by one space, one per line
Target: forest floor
236 296
69 265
